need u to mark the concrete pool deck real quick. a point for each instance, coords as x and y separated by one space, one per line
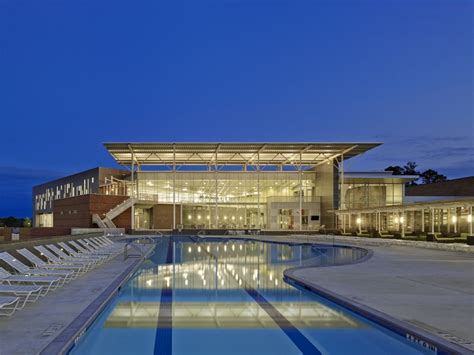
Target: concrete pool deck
429 288
41 323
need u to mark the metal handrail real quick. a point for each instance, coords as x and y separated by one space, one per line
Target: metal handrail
132 244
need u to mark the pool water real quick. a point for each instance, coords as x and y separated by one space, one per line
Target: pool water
194 296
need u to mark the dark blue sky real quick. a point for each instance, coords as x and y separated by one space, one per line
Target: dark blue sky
74 74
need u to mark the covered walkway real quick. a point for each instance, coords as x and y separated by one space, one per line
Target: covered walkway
444 218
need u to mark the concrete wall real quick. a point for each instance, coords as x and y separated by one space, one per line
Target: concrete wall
327 187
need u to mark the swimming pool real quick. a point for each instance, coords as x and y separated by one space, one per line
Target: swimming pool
211 296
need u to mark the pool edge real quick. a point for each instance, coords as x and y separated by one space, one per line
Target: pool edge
69 336
400 327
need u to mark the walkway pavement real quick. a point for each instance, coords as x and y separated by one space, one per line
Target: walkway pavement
432 289
30 330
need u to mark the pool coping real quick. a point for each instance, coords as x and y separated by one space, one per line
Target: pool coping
406 330
70 335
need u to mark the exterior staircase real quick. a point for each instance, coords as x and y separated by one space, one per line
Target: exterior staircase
107 222
96 219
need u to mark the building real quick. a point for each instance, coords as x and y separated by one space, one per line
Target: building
222 186
441 209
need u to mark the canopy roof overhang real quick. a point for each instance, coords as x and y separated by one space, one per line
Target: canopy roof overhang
312 154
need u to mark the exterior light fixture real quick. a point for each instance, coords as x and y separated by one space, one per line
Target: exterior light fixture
208 217
189 216
225 217
469 218
358 220
233 218
396 220
199 216
454 219
402 219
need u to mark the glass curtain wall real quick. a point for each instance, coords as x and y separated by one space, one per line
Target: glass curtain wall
224 199
372 195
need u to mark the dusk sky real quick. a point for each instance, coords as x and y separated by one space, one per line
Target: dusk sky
75 74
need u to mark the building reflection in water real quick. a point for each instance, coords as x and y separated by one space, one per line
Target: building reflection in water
209 283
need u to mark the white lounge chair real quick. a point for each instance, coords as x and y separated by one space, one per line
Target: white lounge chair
61 253
25 293
47 282
86 251
89 245
8 305
16 264
55 259
101 241
78 254
40 263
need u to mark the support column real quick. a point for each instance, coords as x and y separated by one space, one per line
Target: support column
301 196
132 220
448 219
216 219
455 220
422 220
432 215
174 187
258 190
469 220
402 222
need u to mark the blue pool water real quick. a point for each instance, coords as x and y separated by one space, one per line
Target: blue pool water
228 297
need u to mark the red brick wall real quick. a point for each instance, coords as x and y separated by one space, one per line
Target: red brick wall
76 212
30 233
101 204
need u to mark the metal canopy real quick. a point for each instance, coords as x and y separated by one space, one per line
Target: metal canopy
233 153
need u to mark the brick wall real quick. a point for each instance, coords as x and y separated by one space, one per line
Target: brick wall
31 233
77 211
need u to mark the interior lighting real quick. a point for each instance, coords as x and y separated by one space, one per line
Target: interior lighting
396 220
359 221
469 218
402 219
199 216
454 219
199 249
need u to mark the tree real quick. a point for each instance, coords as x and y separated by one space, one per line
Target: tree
410 169
431 176
396 169
427 177
26 222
